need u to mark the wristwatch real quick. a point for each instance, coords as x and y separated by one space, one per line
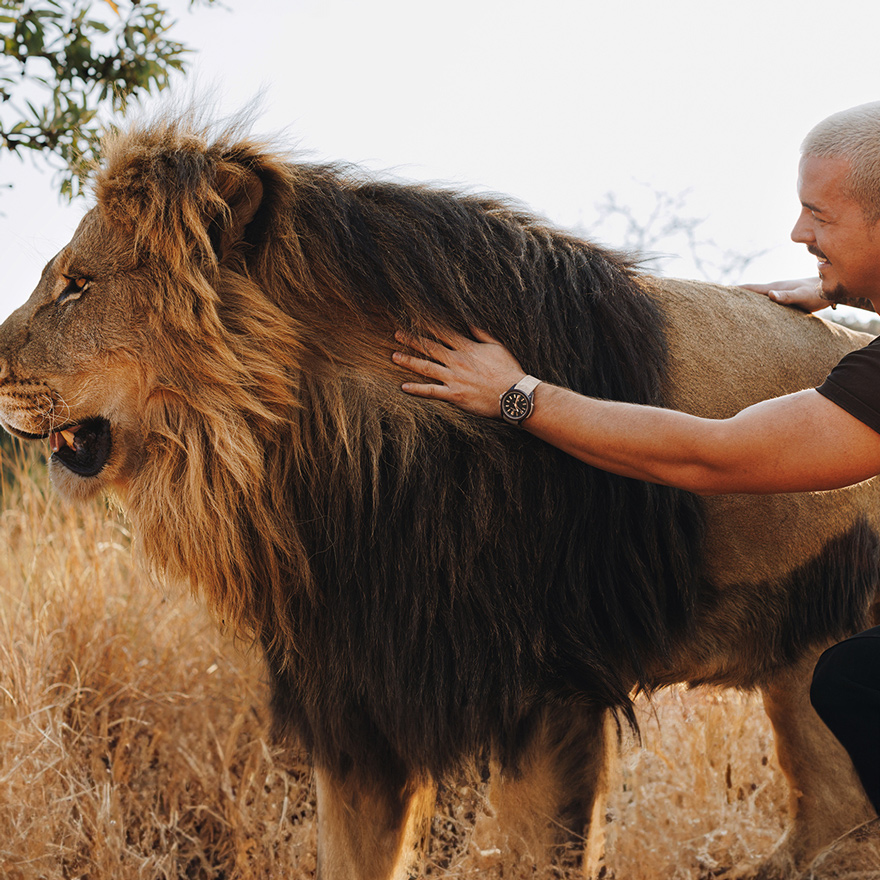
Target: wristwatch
518 401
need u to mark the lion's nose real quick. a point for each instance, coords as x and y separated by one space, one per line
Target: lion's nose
12 332
4 360
5 367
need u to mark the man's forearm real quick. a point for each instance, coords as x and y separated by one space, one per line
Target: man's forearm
646 443
795 443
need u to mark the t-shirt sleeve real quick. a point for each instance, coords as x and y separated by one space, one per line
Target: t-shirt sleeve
854 384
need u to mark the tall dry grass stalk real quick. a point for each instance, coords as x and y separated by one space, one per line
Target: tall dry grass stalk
132 736
134 745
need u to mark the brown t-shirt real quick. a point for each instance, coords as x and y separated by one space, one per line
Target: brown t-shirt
854 384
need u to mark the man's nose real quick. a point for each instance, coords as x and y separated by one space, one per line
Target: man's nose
802 231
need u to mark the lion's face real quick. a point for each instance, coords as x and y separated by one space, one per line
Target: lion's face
73 365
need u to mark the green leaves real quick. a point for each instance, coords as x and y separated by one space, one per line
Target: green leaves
65 61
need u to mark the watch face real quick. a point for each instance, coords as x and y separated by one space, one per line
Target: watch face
515 405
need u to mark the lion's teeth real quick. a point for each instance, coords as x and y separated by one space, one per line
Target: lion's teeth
69 436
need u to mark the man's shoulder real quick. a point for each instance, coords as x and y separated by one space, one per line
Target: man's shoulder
854 384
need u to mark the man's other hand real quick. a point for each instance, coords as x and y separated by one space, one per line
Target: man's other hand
802 293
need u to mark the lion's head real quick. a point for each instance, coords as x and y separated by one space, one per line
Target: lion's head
75 371
159 371
125 318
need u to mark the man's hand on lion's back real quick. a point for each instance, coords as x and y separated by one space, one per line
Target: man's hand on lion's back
802 293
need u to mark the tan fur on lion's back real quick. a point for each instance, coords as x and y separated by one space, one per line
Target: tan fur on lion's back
429 587
742 346
739 350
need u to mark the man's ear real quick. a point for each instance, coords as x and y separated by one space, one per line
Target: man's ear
241 190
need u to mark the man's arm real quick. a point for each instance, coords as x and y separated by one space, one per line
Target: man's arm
801 442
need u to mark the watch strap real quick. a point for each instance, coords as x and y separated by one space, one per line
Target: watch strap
527 384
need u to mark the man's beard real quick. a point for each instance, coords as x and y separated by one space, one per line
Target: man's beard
838 294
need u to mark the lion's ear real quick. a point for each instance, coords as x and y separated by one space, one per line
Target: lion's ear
176 194
242 193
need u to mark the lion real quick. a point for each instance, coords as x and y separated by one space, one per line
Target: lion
213 348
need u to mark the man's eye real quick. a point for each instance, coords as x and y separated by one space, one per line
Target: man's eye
76 284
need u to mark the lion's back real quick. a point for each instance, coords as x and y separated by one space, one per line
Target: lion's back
730 348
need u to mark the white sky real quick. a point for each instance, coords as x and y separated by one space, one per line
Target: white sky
554 103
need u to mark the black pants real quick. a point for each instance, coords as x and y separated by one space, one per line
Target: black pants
846 694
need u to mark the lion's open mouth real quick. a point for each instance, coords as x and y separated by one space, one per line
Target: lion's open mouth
83 448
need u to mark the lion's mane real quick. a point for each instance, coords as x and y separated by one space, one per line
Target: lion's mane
420 580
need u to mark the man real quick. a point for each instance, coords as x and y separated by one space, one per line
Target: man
816 439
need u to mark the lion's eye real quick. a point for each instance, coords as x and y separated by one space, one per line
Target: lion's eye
76 284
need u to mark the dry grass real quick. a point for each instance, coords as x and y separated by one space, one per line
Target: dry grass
133 739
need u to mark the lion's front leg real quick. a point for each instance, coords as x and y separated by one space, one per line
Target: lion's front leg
827 799
369 824
548 809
